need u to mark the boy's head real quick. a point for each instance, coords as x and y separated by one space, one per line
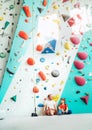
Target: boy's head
63 100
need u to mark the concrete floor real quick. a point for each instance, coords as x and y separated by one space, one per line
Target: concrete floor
64 122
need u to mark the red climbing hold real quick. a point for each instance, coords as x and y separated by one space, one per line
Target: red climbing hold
39 48
75 40
30 61
65 1
80 80
35 89
45 2
82 55
42 75
85 99
79 64
23 35
27 11
71 22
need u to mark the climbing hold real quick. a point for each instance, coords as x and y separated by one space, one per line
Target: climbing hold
27 11
37 96
6 25
40 105
67 46
45 88
9 71
77 92
85 99
42 75
80 80
55 6
71 22
82 55
45 2
2 55
23 35
35 89
79 64
65 17
1 18
42 60
11 7
49 47
40 9
55 73
30 61
56 97
39 47
14 98
75 40
65 1
37 80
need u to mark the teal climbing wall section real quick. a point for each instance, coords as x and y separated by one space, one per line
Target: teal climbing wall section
28 25
72 91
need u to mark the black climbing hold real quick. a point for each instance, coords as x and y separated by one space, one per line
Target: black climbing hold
40 9
10 72
77 92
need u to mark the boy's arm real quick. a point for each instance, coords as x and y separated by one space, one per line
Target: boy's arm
66 109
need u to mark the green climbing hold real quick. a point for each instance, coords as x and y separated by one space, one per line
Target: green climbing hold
14 98
11 7
2 55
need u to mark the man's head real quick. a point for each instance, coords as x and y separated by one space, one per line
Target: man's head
50 96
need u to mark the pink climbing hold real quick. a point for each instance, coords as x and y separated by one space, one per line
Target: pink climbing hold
75 40
27 11
79 64
71 22
85 99
23 35
80 80
82 55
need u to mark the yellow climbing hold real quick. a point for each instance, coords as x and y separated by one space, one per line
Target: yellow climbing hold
56 97
57 21
62 82
1 18
58 53
55 6
53 85
67 46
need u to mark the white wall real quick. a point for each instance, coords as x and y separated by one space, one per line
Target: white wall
25 77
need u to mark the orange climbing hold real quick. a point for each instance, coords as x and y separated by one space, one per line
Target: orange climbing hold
30 61
42 75
27 11
39 48
45 2
35 89
23 35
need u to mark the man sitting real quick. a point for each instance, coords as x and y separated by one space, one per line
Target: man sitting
50 106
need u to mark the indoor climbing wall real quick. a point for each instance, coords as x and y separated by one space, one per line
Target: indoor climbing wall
49 38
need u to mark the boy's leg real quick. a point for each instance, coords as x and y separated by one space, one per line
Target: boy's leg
59 112
69 112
